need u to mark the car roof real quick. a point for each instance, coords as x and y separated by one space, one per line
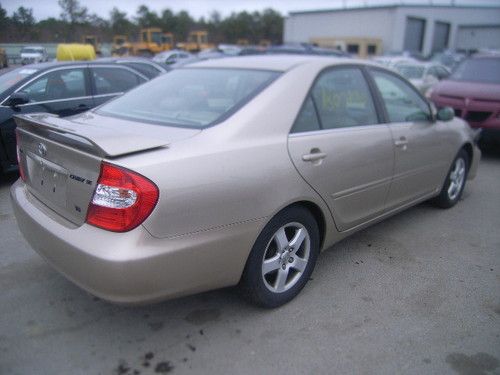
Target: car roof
274 62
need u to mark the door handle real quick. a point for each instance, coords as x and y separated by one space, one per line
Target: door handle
401 142
82 107
314 156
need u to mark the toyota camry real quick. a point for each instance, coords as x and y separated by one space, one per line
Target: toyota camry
231 171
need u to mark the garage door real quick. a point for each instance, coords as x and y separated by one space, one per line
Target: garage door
476 37
441 34
414 34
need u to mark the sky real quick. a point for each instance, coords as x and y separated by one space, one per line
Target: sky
197 8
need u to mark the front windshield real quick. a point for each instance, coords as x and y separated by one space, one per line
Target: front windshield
156 37
193 97
11 78
410 71
31 50
484 70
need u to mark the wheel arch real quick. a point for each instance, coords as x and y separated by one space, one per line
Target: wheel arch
317 213
469 150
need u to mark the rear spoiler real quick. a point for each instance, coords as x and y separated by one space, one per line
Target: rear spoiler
92 139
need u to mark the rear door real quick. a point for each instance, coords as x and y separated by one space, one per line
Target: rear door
341 149
420 145
111 81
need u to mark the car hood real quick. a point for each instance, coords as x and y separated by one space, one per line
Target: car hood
475 90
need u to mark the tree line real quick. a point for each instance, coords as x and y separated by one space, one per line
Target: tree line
75 21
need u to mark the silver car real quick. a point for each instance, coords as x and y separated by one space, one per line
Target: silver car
423 75
231 171
33 55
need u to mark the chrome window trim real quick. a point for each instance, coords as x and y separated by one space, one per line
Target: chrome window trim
112 94
40 75
336 130
69 68
53 101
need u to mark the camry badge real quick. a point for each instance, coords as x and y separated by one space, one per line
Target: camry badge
42 149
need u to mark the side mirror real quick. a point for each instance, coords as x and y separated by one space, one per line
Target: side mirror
18 98
446 114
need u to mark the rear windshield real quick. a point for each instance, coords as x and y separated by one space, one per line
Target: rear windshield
410 71
485 70
190 97
9 79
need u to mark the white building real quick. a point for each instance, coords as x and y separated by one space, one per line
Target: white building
420 28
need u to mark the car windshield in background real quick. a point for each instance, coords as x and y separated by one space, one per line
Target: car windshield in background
191 97
410 72
485 70
31 50
11 78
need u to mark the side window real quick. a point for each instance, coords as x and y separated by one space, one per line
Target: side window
342 98
59 84
402 102
307 120
114 80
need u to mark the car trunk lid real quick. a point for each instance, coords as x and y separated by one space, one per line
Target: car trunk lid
61 158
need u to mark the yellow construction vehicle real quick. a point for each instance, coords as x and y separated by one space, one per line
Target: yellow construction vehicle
265 43
121 45
93 40
150 42
197 41
167 41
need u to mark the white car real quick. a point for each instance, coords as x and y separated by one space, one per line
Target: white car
174 57
423 75
33 55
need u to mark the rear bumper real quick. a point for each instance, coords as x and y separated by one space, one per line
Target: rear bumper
134 267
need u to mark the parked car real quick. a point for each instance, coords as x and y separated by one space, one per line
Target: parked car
423 75
4 61
33 55
448 58
147 67
473 91
393 61
174 57
61 88
236 170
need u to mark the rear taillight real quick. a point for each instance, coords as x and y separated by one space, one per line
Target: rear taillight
19 162
122 199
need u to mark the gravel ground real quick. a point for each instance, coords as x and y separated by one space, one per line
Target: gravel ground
416 294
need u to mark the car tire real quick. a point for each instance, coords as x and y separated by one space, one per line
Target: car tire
454 184
282 258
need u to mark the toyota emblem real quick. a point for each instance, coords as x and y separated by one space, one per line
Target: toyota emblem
42 149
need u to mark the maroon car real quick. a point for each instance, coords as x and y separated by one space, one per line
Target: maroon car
473 91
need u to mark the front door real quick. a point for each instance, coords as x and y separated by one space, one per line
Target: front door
420 146
339 147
